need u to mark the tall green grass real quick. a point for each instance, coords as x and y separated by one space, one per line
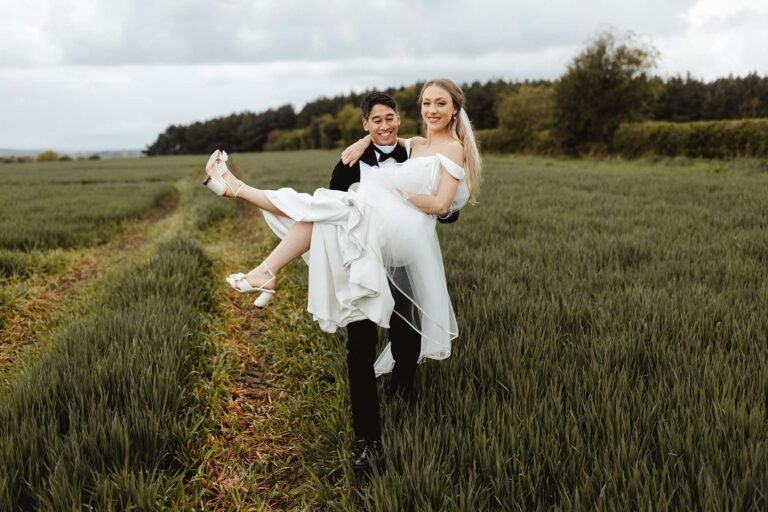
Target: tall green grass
613 346
82 203
103 419
24 264
612 354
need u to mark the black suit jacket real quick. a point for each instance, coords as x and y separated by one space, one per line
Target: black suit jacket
344 176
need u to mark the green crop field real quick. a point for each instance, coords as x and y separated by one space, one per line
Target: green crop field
73 204
613 347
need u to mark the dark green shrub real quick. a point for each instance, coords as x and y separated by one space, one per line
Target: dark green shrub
527 110
705 139
47 156
287 140
605 85
510 141
498 140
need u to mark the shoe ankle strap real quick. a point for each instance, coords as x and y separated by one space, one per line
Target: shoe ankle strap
269 271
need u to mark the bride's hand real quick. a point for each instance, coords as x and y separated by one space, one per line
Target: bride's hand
405 195
354 152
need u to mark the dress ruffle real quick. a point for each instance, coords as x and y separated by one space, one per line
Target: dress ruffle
366 240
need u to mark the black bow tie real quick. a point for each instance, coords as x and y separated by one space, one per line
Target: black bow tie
383 156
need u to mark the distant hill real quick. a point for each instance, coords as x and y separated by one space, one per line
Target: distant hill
74 153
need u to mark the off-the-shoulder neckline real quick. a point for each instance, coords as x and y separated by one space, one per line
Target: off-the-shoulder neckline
437 154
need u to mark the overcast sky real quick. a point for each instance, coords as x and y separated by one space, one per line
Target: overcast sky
113 74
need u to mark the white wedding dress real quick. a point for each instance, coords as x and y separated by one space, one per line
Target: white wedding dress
369 237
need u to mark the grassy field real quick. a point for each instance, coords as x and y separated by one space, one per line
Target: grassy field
102 419
613 348
75 204
612 352
54 212
102 410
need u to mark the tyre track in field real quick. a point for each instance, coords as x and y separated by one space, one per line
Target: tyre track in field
252 463
51 295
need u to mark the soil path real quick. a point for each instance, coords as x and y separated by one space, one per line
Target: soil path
253 462
49 295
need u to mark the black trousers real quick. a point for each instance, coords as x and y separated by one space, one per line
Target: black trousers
361 354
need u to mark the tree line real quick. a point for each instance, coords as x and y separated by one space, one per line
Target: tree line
607 85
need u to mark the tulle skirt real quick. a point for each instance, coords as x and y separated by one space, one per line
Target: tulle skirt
364 241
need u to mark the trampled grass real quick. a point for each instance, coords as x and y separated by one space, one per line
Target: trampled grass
102 420
612 349
53 213
24 264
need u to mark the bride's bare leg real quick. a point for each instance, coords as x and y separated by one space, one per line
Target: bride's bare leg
252 195
247 192
295 243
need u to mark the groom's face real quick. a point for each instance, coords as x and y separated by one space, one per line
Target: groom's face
382 124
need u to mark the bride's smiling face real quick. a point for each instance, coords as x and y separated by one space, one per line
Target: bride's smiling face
436 108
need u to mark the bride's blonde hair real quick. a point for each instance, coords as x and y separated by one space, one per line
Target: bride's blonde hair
461 127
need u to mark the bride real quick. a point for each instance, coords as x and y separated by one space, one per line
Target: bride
379 234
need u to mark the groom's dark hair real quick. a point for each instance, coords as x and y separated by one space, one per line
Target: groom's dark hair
377 98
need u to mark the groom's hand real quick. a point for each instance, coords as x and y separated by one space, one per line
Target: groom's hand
448 218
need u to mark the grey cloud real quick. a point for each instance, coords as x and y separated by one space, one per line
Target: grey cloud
98 74
740 19
92 32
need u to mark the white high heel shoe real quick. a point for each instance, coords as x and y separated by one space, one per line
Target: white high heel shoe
241 284
215 181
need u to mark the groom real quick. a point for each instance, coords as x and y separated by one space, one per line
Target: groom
381 121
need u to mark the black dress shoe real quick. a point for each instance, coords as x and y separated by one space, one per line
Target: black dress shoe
367 454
